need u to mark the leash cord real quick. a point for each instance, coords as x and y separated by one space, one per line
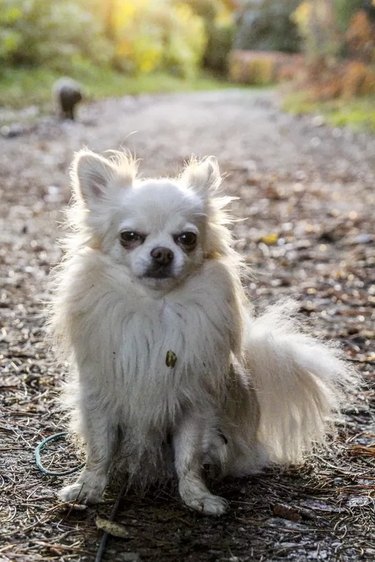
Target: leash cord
105 535
39 448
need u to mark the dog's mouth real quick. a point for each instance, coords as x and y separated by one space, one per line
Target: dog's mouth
158 273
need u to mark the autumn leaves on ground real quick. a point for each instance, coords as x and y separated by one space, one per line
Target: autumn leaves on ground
306 204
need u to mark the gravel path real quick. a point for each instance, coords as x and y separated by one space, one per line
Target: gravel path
307 196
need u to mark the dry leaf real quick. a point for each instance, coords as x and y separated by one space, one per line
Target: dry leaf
112 528
270 239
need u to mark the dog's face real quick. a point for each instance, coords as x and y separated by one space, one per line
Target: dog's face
160 232
157 229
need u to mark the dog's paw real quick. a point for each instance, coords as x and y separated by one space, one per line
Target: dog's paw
209 504
82 492
206 503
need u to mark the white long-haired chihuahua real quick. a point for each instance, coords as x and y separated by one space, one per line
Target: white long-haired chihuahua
168 365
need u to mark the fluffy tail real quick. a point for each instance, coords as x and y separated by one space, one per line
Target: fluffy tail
299 382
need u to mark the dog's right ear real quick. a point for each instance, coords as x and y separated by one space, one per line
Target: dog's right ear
95 178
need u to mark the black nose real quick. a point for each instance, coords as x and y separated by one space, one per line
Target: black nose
162 256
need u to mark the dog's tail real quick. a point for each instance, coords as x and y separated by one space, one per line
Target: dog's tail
300 383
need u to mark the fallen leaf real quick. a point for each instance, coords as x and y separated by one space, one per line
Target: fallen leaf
270 239
286 512
112 528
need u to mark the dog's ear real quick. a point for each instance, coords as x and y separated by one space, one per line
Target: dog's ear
94 176
91 175
202 176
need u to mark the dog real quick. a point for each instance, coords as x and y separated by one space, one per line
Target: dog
169 366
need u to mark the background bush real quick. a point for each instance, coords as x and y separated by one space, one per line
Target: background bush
217 16
339 43
263 67
266 25
133 36
55 34
332 29
154 35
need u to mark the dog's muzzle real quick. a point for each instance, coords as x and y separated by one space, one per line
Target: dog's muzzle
162 259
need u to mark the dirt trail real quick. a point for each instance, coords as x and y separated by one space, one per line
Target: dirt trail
307 196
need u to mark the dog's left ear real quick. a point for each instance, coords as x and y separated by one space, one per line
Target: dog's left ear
202 176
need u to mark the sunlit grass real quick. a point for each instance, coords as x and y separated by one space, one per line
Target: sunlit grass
21 87
357 113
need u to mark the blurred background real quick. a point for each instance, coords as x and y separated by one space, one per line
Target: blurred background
321 51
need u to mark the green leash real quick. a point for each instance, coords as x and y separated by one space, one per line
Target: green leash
39 448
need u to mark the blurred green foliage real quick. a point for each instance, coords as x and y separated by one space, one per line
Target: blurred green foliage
265 25
344 10
34 32
133 36
219 30
339 74
152 35
358 113
325 26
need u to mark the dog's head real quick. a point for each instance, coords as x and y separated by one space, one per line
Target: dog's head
161 230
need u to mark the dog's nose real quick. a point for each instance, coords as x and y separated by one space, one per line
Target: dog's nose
162 255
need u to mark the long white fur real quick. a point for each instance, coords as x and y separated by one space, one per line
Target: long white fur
243 392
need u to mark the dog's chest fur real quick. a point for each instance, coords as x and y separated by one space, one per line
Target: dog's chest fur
149 355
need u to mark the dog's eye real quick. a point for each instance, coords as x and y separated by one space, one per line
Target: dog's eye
130 239
188 240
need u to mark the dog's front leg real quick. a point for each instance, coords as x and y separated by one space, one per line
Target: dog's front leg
101 437
187 442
